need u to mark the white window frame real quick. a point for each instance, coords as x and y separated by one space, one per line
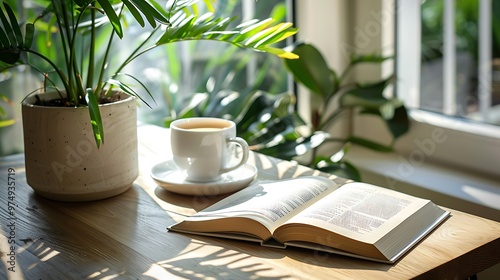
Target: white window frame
475 147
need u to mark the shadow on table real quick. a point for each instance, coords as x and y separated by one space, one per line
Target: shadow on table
91 240
84 238
196 203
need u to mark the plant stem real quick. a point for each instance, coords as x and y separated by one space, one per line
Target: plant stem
60 73
90 69
334 139
313 157
77 86
332 117
136 53
64 27
345 72
100 85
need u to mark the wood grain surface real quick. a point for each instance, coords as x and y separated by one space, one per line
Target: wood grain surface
125 237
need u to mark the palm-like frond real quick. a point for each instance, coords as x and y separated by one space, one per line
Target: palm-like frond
12 42
253 34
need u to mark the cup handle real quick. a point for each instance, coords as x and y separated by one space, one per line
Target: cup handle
244 146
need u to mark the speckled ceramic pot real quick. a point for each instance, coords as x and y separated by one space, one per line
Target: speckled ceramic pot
62 158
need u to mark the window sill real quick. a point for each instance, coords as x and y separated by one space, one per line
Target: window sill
450 187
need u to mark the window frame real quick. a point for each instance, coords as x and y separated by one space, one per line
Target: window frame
471 146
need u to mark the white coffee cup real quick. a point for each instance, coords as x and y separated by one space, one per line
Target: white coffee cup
205 148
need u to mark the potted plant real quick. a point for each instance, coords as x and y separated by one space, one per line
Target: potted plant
73 160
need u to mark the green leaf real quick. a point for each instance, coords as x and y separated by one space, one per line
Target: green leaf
206 27
209 5
193 109
279 11
280 53
181 29
4 40
220 29
288 149
251 112
5 123
281 32
151 13
184 27
387 110
342 169
10 51
112 16
253 40
384 109
366 95
9 29
276 129
133 10
224 102
15 25
400 123
82 3
30 33
127 89
368 58
311 70
189 112
252 27
95 117
203 24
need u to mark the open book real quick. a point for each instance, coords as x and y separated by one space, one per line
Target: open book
355 219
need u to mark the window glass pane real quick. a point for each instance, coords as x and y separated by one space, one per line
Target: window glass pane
460 59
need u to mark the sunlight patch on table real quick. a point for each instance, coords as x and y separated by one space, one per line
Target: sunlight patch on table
50 253
5 248
485 197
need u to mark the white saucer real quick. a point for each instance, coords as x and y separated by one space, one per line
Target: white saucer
168 176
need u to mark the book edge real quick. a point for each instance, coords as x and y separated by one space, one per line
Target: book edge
421 236
273 243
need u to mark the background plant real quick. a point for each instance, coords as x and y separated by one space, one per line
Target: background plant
270 123
204 68
5 119
335 89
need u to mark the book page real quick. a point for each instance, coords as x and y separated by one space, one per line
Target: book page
360 211
270 203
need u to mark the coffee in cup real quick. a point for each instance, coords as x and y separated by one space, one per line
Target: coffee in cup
206 148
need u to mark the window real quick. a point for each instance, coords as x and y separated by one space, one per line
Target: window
447 72
459 58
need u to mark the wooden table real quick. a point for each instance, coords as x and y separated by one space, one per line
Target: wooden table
125 237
